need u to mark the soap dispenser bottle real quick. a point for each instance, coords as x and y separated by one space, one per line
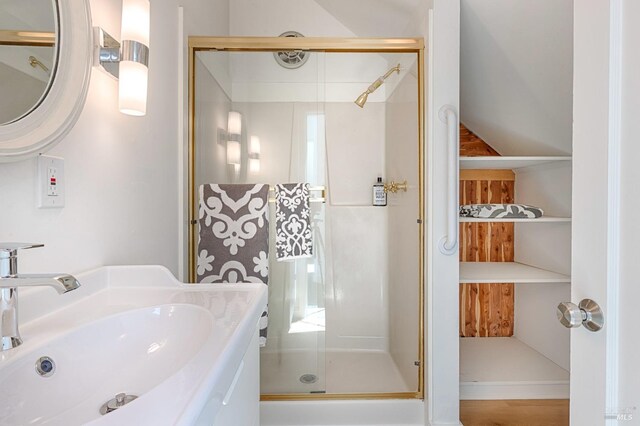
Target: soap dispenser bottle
379 194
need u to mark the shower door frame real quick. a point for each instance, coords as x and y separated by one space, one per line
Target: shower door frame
325 45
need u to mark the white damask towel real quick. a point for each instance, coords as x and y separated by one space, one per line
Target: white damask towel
500 211
293 224
234 236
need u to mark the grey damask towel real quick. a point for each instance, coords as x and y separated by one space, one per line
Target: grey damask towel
234 236
293 225
500 211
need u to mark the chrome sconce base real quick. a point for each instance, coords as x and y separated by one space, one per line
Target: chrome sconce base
108 52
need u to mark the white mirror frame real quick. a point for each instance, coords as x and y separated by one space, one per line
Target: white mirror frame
50 121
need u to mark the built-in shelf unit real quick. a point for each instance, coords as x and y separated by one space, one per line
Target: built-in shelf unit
534 363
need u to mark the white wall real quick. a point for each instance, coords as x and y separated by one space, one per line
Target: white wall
401 153
121 172
516 72
270 19
629 340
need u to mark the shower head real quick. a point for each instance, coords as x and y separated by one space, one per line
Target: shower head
362 99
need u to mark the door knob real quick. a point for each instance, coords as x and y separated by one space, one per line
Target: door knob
587 313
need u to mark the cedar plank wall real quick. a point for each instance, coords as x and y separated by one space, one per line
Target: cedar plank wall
486 310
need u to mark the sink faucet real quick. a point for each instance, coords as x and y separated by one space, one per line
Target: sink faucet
10 280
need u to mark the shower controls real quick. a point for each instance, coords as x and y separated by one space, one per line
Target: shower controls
587 313
395 186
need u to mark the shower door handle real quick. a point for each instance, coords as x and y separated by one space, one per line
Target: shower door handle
448 244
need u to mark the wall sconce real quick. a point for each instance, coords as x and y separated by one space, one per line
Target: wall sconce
128 61
234 134
254 154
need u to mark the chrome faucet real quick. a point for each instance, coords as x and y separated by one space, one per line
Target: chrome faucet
10 280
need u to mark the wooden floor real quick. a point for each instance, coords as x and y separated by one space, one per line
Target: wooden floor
523 412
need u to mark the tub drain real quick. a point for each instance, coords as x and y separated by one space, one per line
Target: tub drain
307 379
119 401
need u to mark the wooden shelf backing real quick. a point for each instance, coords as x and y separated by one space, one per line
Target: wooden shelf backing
543 219
484 163
507 272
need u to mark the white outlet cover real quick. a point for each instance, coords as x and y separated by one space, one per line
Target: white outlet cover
50 182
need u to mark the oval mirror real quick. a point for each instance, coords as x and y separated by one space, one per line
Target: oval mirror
45 64
28 54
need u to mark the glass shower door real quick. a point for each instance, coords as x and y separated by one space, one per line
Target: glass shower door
280 140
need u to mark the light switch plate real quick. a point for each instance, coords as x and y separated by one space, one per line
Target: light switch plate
51 184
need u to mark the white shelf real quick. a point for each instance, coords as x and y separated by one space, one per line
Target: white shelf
506 368
507 162
543 219
507 272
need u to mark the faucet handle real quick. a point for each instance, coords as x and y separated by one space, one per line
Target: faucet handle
11 249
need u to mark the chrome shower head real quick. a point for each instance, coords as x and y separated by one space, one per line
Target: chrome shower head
362 99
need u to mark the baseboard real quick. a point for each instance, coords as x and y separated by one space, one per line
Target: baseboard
514 390
343 413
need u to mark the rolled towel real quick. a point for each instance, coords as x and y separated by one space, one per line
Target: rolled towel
499 211
293 223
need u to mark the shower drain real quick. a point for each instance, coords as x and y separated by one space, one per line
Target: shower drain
307 379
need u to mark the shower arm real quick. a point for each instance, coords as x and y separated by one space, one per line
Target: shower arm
374 86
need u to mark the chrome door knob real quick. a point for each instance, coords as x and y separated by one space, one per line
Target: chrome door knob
569 314
587 313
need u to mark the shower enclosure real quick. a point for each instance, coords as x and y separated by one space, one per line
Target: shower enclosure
348 321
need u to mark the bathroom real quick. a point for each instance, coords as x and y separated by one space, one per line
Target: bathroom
126 184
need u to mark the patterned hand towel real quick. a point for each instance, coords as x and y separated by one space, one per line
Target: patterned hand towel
234 237
498 211
293 224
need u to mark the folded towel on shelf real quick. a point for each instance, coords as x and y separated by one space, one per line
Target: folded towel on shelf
234 236
499 211
293 223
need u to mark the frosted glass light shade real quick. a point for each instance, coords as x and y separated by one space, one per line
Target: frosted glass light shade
233 153
234 123
134 75
254 145
135 21
254 165
133 88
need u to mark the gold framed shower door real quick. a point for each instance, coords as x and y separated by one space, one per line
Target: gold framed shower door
328 45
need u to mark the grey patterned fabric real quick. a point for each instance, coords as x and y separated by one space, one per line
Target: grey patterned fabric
497 211
234 236
293 225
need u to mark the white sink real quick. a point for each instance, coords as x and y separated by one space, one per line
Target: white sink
134 330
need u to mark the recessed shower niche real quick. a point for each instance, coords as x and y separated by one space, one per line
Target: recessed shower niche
346 321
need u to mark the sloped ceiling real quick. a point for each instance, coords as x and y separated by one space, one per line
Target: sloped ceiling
379 18
516 74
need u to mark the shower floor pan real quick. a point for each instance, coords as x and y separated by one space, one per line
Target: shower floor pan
341 372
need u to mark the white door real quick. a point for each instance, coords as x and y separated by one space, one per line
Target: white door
606 187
